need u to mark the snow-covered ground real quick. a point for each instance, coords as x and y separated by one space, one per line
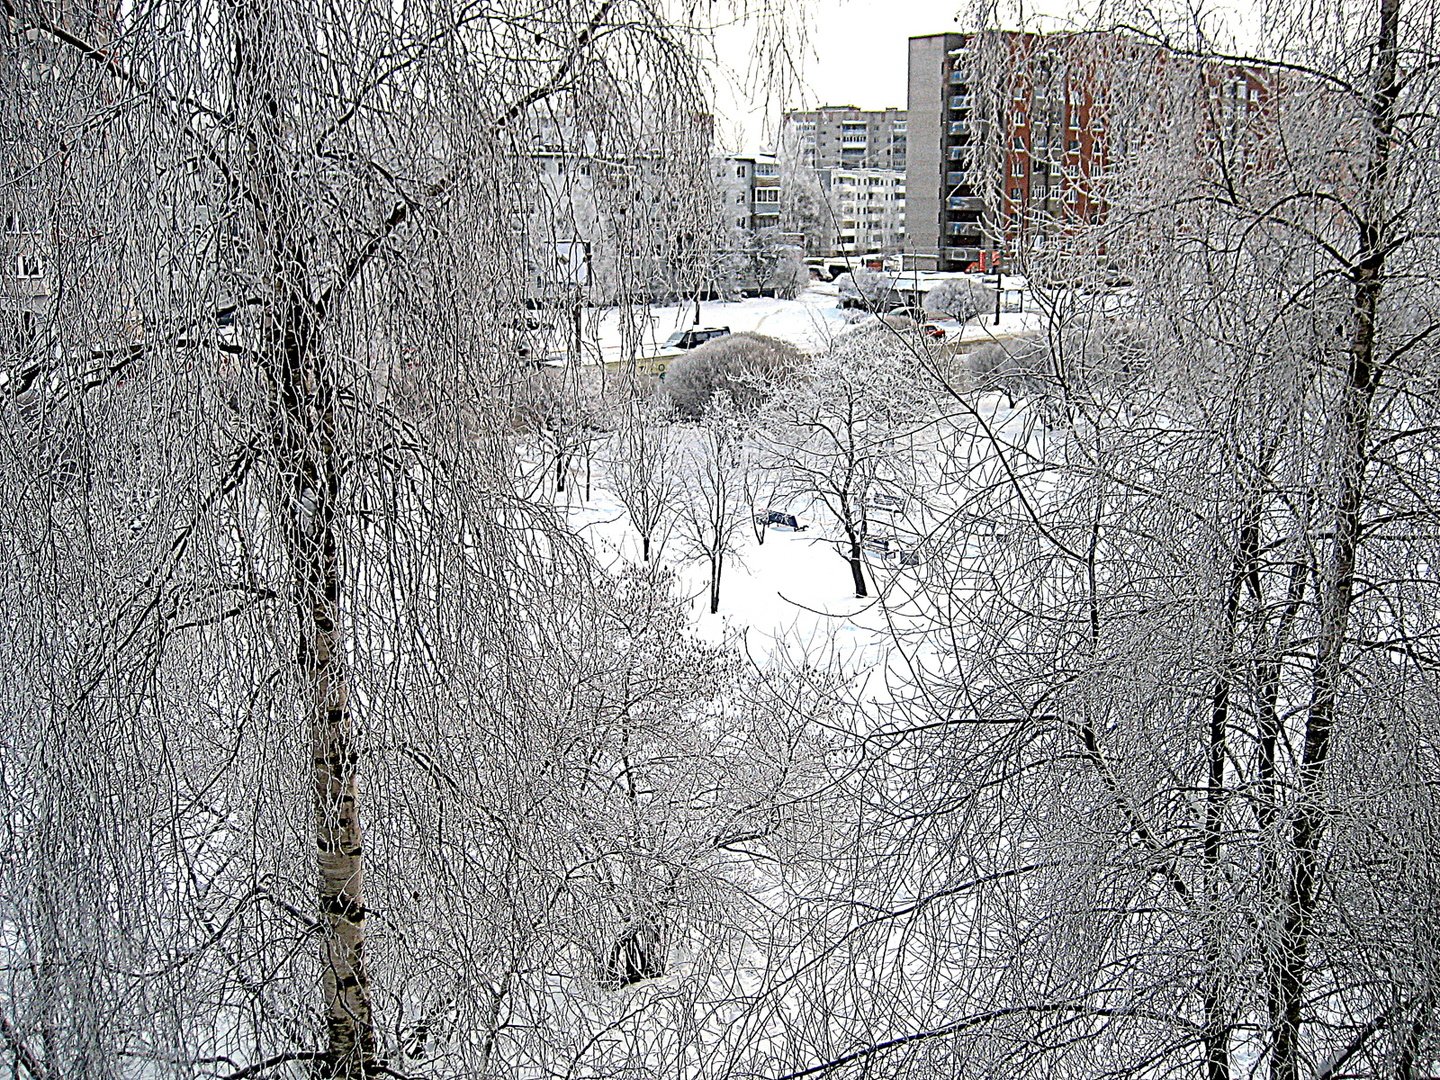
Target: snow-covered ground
792 597
810 322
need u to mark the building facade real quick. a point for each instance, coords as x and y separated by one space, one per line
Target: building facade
987 180
748 191
869 209
766 198
844 137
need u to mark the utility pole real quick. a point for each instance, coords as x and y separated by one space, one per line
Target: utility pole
999 285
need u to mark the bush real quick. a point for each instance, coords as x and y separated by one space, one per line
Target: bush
744 367
1108 359
789 276
863 288
960 298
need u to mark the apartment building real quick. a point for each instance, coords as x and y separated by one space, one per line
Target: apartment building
735 190
1041 152
844 137
765 202
869 209
747 189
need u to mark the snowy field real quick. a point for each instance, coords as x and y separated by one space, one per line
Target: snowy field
792 597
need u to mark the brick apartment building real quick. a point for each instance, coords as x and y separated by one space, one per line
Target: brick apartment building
1038 173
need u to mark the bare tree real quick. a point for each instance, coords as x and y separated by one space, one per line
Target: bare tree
711 514
831 434
1170 652
644 471
256 427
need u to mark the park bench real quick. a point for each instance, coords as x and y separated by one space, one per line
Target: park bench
776 517
878 544
905 557
880 500
888 548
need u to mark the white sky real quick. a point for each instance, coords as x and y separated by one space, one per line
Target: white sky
853 52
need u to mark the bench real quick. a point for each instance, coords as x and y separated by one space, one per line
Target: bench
775 517
888 548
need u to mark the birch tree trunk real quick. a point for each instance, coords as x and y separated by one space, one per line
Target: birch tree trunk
1337 579
307 469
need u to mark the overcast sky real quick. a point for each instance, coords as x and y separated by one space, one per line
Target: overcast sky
854 52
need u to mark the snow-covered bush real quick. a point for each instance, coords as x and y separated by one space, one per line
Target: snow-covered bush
789 275
862 288
743 367
1034 366
960 299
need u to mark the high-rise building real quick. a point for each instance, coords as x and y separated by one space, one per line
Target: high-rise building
844 137
967 208
982 184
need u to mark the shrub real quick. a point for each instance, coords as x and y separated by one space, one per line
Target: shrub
744 367
863 288
959 298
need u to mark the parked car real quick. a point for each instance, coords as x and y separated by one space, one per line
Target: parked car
695 336
932 331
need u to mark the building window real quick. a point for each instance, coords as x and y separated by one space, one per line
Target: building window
1017 193
740 171
767 195
29 266
1019 118
1018 143
1017 168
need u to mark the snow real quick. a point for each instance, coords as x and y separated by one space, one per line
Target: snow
792 598
810 322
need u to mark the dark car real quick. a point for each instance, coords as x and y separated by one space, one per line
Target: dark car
695 336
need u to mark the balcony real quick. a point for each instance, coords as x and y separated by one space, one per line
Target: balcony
957 153
957 77
959 127
961 101
964 202
954 179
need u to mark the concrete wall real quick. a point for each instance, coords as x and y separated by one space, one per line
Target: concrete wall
924 173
